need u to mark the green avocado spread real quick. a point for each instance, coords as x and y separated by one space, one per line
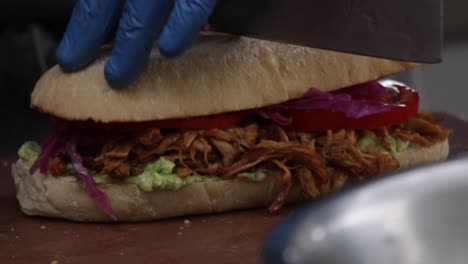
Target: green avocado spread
160 175
29 152
370 139
156 175
257 176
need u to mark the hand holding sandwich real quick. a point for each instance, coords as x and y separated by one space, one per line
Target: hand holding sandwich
174 24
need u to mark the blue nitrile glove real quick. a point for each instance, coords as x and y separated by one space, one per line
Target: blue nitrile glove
174 24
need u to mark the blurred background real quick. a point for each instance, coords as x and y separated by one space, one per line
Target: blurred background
30 31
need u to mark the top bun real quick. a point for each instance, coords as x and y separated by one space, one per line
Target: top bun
218 74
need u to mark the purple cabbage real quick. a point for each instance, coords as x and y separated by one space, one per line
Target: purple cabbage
83 176
355 102
61 142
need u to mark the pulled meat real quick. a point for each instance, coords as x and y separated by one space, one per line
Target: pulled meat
341 151
422 130
149 137
320 162
118 168
57 166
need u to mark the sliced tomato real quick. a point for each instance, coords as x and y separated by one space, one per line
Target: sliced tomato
405 104
206 122
318 120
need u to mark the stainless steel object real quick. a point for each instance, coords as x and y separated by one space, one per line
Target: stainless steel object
397 29
416 216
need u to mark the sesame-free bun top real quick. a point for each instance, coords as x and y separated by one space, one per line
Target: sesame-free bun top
218 74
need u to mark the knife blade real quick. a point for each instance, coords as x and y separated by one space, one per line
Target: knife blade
398 29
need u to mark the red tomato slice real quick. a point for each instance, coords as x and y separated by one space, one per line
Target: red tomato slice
207 122
314 120
407 101
319 120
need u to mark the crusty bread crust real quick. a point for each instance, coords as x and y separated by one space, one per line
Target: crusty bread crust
418 156
63 197
205 80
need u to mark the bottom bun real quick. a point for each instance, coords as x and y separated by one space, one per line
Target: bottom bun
63 197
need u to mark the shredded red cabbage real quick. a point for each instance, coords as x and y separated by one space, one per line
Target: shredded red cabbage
355 102
277 117
83 175
61 142
371 91
49 147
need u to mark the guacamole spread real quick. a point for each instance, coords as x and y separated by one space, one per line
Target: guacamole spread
156 175
29 152
370 139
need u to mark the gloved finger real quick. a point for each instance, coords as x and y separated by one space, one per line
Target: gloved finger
185 22
139 26
90 24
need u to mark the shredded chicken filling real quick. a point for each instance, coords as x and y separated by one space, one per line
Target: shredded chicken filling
320 162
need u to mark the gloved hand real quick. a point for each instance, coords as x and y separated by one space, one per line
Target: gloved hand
174 24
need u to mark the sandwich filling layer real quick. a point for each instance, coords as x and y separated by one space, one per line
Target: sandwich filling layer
321 140
322 162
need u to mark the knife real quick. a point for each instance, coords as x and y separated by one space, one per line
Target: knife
398 29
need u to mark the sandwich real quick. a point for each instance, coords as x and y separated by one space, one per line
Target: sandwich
234 123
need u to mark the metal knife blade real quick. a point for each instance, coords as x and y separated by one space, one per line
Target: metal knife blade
398 29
